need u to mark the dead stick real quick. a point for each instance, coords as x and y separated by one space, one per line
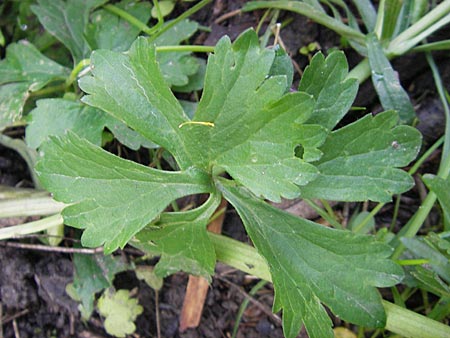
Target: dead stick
197 287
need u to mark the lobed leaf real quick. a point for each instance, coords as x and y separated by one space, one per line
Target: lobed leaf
311 264
181 239
360 161
326 80
120 312
111 198
132 89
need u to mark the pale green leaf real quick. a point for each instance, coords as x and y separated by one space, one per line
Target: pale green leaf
386 82
111 198
57 116
361 161
132 89
311 264
325 80
165 8
182 241
67 20
109 31
148 275
120 312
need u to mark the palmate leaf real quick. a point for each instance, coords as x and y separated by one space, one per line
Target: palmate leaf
269 140
311 264
110 197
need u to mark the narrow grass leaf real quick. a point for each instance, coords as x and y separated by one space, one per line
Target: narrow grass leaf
387 84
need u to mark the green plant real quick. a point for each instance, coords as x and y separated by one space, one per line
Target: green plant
248 127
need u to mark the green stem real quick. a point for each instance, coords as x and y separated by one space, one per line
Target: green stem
367 219
29 206
130 18
181 17
185 48
399 320
425 156
401 43
410 324
78 68
31 227
49 90
322 213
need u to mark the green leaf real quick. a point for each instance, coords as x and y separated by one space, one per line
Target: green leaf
57 116
441 188
282 65
131 88
386 82
177 66
368 13
422 248
110 197
23 70
93 274
67 21
361 159
109 31
311 264
182 241
430 281
120 312
325 80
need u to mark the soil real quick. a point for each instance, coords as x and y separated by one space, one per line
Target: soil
32 283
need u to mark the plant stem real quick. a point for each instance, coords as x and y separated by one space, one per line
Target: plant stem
186 48
130 18
29 206
367 219
399 320
433 18
410 324
181 17
31 227
78 68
